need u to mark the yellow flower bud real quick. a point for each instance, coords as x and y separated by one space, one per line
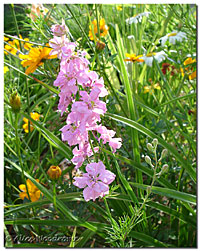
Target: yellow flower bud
54 172
15 102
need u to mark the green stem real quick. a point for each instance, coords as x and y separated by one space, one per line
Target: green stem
54 195
19 152
15 21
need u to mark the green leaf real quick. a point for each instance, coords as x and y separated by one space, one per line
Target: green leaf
190 198
147 239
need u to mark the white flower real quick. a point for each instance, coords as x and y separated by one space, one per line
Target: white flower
173 37
159 56
137 18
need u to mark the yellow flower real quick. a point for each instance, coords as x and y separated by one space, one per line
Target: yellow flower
193 75
5 69
12 47
54 172
35 58
150 88
26 46
133 58
35 116
189 61
5 38
189 69
33 191
119 7
103 29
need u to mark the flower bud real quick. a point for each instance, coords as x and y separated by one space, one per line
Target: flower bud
164 169
148 160
100 46
54 172
164 153
15 102
155 142
150 147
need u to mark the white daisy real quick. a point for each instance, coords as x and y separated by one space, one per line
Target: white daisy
173 37
159 56
137 18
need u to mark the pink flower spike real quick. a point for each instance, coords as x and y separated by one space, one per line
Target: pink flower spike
95 182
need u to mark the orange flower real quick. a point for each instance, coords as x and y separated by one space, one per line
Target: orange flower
33 191
103 29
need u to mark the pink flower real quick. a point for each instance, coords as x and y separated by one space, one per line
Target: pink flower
99 83
93 102
95 182
64 101
107 136
73 135
59 30
57 44
68 49
83 116
81 154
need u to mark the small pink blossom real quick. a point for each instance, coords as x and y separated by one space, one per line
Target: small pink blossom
95 182
73 135
57 43
59 30
107 136
93 102
81 154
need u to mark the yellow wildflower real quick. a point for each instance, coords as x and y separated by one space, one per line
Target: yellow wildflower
103 29
12 47
35 116
5 69
33 191
189 61
36 58
189 69
150 88
193 75
5 38
133 58
119 7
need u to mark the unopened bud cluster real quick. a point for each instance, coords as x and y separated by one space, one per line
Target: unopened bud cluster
152 148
